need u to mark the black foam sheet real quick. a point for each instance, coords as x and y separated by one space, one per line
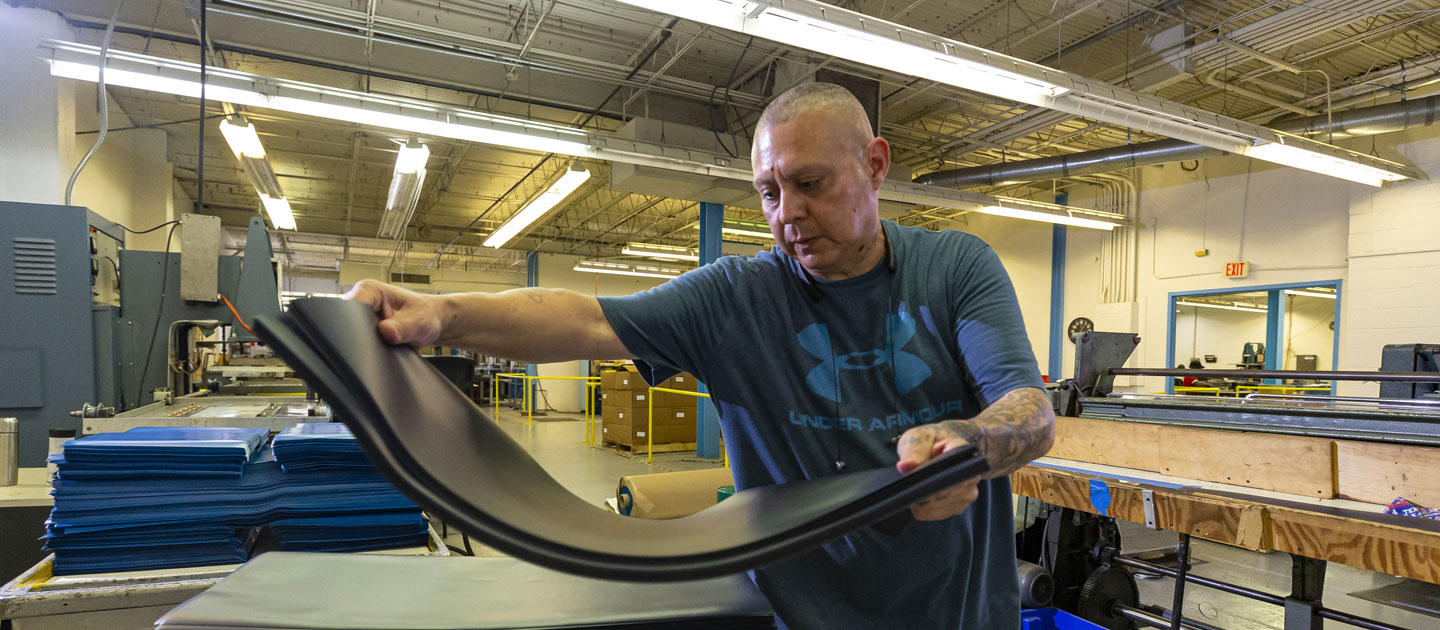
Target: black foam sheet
316 591
451 459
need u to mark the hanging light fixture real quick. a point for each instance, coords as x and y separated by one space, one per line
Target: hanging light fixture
405 186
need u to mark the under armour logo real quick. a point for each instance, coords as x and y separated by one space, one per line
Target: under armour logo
909 370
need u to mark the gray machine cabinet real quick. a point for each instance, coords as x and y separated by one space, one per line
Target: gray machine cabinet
47 342
140 296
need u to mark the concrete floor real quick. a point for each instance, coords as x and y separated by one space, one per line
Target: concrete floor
592 472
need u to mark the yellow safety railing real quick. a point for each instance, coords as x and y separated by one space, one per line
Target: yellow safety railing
590 415
494 389
1179 389
650 422
525 401
1280 389
530 408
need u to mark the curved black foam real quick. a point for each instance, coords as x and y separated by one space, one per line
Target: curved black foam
442 451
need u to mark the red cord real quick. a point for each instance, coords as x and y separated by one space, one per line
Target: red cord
236 314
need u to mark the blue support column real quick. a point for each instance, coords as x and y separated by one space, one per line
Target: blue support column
1057 296
1057 302
707 418
1274 332
532 279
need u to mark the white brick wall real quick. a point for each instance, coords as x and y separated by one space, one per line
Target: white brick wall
1393 293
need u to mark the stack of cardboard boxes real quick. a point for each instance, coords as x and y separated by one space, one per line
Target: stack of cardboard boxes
625 409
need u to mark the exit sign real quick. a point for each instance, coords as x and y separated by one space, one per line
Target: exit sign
1237 269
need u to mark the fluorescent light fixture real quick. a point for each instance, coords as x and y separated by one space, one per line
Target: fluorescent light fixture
279 210
405 186
245 144
742 229
1287 155
540 205
670 252
937 63
1227 307
1317 294
1036 215
621 269
334 111
829 30
242 138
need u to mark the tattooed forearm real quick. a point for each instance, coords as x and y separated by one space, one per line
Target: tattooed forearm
1010 433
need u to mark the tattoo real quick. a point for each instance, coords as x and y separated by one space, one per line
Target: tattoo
538 295
1010 433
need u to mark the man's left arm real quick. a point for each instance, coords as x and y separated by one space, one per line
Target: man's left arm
1012 432
1016 430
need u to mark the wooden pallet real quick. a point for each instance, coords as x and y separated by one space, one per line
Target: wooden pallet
669 447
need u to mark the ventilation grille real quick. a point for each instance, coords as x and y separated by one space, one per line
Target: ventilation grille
34 263
411 278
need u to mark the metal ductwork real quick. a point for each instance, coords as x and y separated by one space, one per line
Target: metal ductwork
1356 122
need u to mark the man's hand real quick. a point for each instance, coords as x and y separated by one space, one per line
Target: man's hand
405 316
922 444
1010 433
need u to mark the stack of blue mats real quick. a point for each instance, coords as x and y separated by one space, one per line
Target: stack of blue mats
328 449
319 446
123 502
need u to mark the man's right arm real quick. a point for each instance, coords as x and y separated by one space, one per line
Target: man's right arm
534 325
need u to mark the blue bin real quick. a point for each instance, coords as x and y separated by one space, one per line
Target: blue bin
1053 619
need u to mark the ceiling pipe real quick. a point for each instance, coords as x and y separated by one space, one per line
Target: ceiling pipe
1356 122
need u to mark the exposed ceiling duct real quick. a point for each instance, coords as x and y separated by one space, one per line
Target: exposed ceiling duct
1356 122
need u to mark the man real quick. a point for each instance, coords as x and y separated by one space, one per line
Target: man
855 343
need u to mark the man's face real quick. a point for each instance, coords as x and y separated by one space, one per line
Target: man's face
817 185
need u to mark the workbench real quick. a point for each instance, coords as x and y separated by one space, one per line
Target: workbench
1349 532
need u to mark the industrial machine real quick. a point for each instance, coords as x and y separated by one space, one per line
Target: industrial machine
1078 542
85 321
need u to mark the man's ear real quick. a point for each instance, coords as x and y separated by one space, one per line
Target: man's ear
876 158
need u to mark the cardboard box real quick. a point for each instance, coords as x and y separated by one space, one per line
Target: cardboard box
637 436
639 416
629 380
618 380
640 399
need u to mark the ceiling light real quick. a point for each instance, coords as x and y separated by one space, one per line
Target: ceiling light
336 111
404 191
752 231
1036 215
852 36
279 210
1287 155
671 252
1317 294
540 205
242 138
620 269
1227 307
245 144
938 63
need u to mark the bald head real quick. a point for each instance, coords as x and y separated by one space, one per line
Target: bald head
834 107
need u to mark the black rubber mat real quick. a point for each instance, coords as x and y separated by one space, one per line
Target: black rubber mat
446 454
322 591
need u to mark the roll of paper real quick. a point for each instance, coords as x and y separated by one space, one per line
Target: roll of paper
670 495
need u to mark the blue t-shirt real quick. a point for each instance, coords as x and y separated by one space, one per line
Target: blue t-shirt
801 383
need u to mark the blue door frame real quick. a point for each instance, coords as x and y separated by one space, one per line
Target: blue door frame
1274 322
